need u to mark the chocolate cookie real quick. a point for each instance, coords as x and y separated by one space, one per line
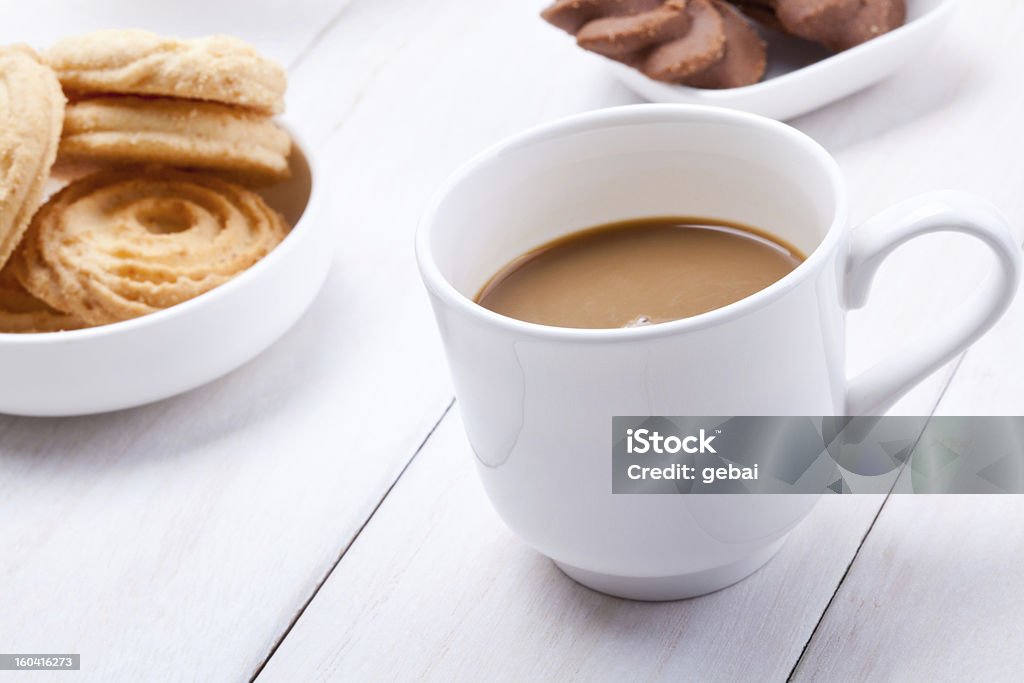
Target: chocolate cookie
871 19
836 24
572 15
814 19
702 46
745 56
621 36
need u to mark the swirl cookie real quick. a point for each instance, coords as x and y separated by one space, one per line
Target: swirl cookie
23 313
133 62
176 133
118 245
31 114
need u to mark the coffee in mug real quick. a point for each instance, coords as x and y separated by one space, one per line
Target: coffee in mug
639 272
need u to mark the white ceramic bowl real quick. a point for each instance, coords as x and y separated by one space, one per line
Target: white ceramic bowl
802 77
157 356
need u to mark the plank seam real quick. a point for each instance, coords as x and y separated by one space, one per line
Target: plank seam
345 548
803 651
320 35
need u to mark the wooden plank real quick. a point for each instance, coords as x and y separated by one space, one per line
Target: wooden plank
436 588
177 533
935 594
991 378
42 22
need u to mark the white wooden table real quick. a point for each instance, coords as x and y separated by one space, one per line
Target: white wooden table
315 515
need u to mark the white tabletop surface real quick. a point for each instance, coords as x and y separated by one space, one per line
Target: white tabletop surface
315 515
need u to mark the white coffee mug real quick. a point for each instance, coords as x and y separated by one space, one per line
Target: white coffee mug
538 401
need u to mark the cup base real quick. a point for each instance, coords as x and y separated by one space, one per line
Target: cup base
665 588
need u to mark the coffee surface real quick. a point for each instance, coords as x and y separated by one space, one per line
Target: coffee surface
638 272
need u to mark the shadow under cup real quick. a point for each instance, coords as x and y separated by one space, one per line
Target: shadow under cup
537 402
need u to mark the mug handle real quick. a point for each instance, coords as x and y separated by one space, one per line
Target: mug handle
875 390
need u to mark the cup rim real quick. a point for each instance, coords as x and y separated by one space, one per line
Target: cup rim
645 114
186 307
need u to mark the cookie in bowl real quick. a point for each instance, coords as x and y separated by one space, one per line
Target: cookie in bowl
31 116
122 244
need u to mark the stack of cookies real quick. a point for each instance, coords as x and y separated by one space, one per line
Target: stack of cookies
713 43
202 103
172 132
